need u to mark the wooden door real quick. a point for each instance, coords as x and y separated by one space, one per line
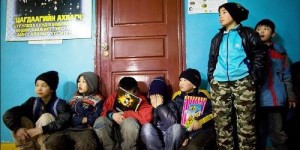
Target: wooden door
141 39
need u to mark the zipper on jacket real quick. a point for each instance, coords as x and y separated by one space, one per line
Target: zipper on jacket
227 70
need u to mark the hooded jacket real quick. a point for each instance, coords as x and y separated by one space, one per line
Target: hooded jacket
87 104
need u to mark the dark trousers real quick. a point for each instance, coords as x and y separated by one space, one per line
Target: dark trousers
72 139
202 141
271 124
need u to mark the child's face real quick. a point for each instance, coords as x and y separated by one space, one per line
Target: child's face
226 19
42 89
82 85
265 33
186 86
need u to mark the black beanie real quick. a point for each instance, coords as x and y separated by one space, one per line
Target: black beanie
158 86
236 11
50 77
192 75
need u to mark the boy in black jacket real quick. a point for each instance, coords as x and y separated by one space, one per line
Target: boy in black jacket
235 70
37 118
201 133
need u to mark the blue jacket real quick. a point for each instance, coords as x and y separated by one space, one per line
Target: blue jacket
254 48
277 87
85 106
232 60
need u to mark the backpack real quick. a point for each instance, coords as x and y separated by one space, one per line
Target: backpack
36 109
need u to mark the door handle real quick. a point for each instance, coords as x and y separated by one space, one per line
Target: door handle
104 49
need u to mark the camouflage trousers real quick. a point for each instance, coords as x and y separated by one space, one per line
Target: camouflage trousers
234 99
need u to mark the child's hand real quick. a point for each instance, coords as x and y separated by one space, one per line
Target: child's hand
292 104
22 134
156 100
185 142
84 120
195 126
35 131
118 117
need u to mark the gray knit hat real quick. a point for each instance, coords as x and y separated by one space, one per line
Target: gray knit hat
92 81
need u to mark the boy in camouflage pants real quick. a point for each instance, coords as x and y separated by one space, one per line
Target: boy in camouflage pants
235 67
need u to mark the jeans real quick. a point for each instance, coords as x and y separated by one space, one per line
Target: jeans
111 134
154 139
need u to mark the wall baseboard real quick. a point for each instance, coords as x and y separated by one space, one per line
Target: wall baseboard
8 146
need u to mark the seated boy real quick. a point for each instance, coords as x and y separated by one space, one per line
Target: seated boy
86 106
163 132
201 132
37 120
117 129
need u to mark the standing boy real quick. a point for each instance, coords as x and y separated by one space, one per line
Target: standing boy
201 134
122 127
235 69
276 92
35 119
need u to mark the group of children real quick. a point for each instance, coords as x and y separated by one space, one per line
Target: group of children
88 121
247 72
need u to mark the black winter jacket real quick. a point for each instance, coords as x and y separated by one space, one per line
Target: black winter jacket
165 115
255 50
12 117
206 127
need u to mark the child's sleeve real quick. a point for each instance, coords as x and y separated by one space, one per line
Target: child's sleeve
143 114
62 120
287 79
108 105
12 117
168 114
92 116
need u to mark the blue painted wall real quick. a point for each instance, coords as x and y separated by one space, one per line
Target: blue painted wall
201 28
21 63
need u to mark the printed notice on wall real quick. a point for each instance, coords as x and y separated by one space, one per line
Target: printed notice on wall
204 6
48 19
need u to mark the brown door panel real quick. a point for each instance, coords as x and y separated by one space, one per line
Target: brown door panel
141 39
